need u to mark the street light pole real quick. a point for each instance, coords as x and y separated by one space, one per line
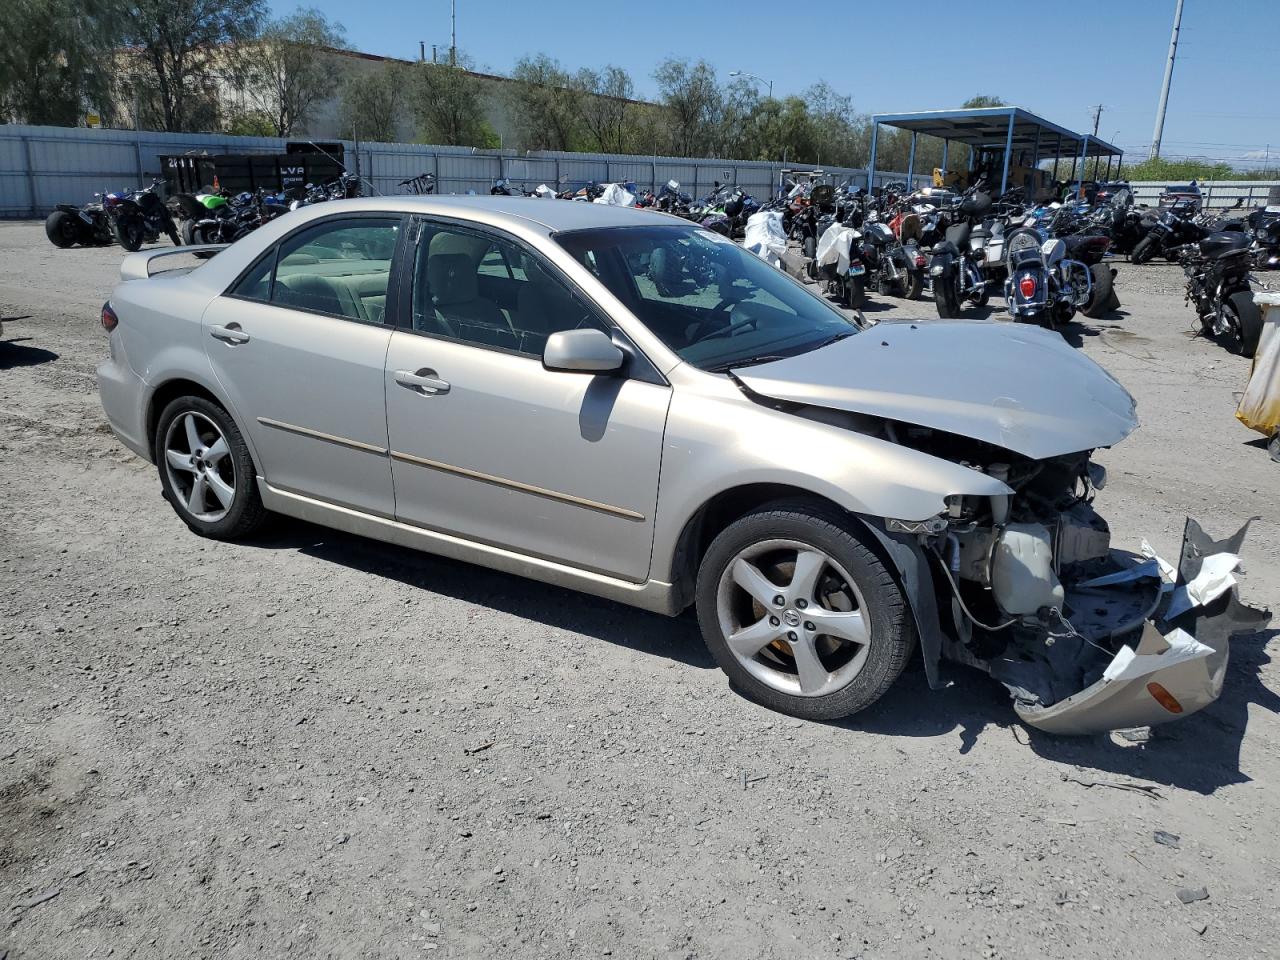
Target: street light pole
743 73
1168 77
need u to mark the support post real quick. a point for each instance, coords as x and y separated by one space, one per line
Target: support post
1008 150
31 176
871 166
137 155
911 163
946 144
1035 158
1084 163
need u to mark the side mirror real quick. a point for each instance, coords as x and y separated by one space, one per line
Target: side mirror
582 351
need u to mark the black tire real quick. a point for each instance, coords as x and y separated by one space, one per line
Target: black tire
1144 251
946 298
983 297
246 512
892 630
855 291
915 285
1100 301
129 233
1273 448
62 230
188 232
810 247
1248 323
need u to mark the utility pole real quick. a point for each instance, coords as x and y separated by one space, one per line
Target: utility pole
453 31
1168 76
1097 117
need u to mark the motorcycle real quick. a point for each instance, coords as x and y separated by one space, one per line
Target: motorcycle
140 217
1264 228
1217 271
230 220
1174 227
956 267
1043 284
896 268
87 225
421 185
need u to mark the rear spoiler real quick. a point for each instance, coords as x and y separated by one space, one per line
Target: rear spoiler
137 266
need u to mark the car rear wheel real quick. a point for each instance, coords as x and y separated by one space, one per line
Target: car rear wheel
206 471
801 614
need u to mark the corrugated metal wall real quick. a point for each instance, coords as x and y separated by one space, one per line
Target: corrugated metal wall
44 166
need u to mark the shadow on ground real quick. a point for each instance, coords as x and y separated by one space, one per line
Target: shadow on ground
1200 753
15 353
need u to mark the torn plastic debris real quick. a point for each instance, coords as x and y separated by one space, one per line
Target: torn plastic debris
1180 659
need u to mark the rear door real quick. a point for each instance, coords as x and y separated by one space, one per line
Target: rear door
486 443
299 344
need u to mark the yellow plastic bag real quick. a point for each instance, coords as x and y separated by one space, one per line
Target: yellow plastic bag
1259 408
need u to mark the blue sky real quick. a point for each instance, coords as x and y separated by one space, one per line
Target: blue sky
1223 102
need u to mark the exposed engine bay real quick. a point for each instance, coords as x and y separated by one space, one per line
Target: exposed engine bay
1030 590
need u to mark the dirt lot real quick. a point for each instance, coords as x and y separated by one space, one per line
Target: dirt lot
315 746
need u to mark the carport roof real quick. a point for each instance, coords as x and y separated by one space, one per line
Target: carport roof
989 126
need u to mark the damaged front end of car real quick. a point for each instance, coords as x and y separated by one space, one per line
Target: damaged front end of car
1025 584
1086 638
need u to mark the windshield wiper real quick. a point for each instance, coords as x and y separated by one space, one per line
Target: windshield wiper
744 362
831 340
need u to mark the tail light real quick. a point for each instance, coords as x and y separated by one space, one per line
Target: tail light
109 319
920 262
1027 286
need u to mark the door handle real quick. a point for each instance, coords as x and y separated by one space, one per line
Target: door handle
229 334
424 381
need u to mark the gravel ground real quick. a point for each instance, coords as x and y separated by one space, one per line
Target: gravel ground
315 746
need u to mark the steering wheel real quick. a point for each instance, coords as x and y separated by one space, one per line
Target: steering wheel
729 329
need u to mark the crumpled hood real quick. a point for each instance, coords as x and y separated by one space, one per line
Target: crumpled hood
1013 385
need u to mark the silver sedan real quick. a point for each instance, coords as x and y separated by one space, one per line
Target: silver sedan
626 404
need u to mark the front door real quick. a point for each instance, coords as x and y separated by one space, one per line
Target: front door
487 444
299 346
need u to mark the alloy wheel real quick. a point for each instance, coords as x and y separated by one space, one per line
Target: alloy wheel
201 472
794 618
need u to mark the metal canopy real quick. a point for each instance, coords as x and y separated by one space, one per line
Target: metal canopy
1009 129
989 127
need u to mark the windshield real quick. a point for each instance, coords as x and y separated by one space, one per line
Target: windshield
710 301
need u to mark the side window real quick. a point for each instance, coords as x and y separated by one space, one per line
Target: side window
476 289
339 267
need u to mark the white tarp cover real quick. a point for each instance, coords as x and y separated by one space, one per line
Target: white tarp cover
764 236
833 247
616 195
544 191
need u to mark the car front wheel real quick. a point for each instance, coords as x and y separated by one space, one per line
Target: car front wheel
801 613
206 471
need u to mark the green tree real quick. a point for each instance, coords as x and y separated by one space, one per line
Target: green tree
51 60
287 69
546 103
982 100
693 103
185 45
371 102
606 109
449 103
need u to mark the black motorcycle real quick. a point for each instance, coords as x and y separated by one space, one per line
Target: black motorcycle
1263 226
955 270
242 215
87 225
1175 227
1217 269
140 217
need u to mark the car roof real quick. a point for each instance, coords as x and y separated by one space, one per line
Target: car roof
552 215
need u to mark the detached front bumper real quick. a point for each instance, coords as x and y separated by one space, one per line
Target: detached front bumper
1176 659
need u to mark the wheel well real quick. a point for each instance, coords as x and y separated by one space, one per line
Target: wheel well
168 392
716 514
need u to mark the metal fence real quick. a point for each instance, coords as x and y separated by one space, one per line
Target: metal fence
44 166
1217 194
